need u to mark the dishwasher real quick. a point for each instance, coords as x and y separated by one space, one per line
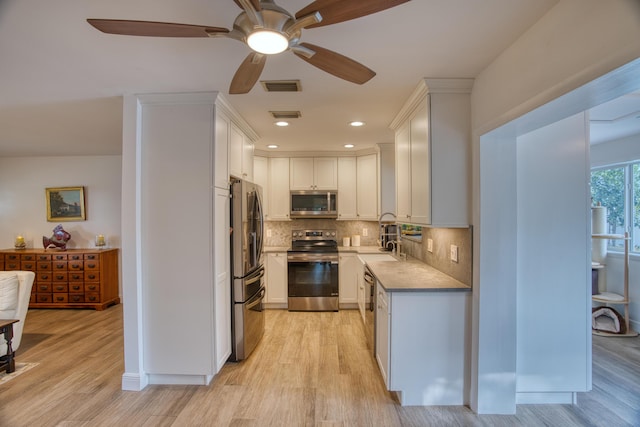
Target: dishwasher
370 310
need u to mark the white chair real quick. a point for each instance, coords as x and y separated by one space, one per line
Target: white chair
15 308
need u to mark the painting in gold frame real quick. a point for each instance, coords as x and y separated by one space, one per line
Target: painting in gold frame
65 204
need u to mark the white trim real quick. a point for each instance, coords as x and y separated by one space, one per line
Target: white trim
426 86
170 379
290 154
133 381
563 398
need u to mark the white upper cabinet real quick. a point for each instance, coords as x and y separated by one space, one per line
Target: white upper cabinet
309 173
261 177
433 139
367 187
221 151
358 187
278 189
403 172
247 158
240 154
347 187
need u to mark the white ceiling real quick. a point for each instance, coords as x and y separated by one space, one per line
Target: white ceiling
61 81
615 119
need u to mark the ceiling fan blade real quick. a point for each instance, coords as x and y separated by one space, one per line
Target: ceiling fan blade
248 73
336 64
153 29
255 3
334 11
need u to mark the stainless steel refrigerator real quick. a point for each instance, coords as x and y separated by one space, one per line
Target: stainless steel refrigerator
247 226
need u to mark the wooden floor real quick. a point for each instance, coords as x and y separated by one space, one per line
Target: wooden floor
311 369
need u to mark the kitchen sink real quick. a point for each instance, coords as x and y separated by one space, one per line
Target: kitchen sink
376 257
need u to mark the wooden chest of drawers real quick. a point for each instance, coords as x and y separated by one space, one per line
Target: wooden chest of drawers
75 278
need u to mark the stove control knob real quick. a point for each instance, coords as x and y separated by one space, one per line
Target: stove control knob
333 234
295 234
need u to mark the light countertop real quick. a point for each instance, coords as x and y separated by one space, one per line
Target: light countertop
413 275
268 249
362 249
354 249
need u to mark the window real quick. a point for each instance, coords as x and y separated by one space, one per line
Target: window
618 189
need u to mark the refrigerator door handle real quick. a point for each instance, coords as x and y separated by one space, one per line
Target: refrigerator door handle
254 279
257 300
254 248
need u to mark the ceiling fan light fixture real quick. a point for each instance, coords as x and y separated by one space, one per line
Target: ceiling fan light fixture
267 42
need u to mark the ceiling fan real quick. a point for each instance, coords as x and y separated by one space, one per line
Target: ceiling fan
269 29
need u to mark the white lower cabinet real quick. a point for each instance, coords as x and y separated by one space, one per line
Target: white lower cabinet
383 320
421 341
348 280
276 280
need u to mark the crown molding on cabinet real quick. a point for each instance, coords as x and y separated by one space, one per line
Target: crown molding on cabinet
426 86
228 110
363 152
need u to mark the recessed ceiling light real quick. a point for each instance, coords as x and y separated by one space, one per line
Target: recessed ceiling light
282 123
273 146
357 124
349 145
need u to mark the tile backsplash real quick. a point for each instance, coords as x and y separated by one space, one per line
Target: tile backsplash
443 238
281 230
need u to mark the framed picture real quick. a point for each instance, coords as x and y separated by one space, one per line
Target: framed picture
65 204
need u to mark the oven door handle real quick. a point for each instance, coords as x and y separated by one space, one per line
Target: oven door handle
333 259
368 277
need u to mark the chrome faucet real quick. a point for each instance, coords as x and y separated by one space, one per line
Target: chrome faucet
394 243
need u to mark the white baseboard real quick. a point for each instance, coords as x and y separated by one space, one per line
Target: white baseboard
133 381
274 305
560 398
172 379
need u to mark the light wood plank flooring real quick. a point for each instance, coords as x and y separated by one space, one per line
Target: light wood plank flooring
311 369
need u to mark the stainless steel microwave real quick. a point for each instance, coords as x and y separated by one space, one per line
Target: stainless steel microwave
314 204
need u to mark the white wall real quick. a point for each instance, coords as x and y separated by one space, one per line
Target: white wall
617 151
575 43
23 204
553 263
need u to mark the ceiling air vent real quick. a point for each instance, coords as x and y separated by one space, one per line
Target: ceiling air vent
280 115
281 85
